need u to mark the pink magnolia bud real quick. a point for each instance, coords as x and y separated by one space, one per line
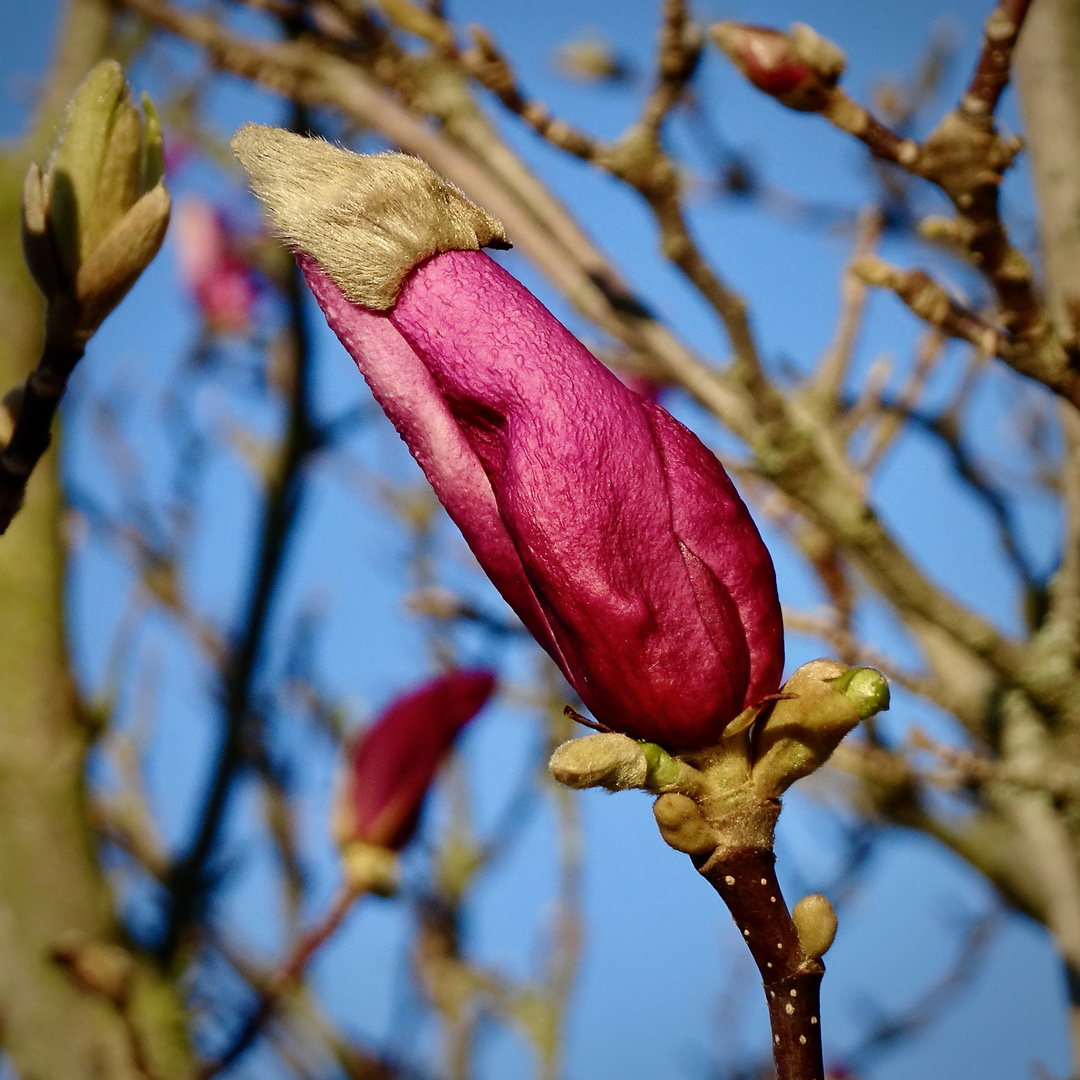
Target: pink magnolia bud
607 526
222 284
392 763
798 68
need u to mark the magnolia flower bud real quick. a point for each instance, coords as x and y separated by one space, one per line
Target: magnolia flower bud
95 218
607 526
820 704
392 763
799 68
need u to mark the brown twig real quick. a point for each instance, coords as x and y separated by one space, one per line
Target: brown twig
284 979
991 75
745 879
37 404
931 303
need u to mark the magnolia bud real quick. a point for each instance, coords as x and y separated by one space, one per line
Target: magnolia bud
819 705
815 923
608 760
682 825
370 868
799 68
95 218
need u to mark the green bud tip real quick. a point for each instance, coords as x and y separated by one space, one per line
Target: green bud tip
663 769
865 688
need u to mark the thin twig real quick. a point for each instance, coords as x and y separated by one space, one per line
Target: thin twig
38 402
284 979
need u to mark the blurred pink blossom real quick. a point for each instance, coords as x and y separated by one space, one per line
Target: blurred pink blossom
392 763
224 286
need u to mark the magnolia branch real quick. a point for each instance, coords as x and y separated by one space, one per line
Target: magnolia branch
33 406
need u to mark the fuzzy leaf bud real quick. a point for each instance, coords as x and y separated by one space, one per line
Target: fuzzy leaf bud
815 923
683 826
816 710
608 760
866 689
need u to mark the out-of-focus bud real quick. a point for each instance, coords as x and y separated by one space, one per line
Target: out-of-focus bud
10 405
95 218
370 868
608 760
683 826
393 762
818 706
815 923
798 68
591 60
223 285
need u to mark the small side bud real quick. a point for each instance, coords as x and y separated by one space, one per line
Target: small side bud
815 923
367 220
806 725
663 769
370 868
101 967
682 825
38 250
799 68
10 407
607 760
866 689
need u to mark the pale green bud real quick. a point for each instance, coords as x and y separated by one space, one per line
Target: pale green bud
866 689
683 826
74 170
608 760
815 923
663 769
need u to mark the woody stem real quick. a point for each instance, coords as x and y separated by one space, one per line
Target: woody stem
745 878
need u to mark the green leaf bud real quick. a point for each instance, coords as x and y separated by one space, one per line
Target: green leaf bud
97 216
815 923
815 711
116 262
38 249
153 155
75 166
866 689
663 769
